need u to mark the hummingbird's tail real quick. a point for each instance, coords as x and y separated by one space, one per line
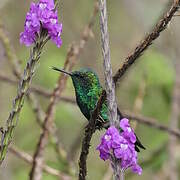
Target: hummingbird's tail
138 144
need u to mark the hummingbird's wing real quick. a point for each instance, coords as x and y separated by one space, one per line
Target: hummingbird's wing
100 123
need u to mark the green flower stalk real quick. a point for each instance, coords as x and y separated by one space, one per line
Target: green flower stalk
38 29
21 93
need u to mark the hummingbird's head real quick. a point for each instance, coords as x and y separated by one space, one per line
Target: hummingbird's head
84 78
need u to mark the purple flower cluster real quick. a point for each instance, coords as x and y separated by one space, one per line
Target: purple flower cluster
121 145
41 14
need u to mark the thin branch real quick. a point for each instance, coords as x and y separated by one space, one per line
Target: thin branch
36 89
40 115
109 83
138 104
21 93
72 55
143 119
152 158
9 52
28 159
90 129
151 122
36 171
16 68
147 41
145 163
76 144
60 151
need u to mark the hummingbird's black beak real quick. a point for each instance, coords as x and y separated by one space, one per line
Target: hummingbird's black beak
61 70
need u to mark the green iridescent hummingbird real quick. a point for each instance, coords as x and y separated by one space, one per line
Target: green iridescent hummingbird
88 91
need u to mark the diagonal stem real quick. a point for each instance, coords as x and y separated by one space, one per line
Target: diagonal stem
36 89
148 40
89 131
72 55
27 158
109 83
21 93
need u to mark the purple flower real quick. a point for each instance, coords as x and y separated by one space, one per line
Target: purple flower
46 4
128 132
121 145
41 14
137 169
27 38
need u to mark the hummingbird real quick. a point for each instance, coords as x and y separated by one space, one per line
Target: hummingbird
88 91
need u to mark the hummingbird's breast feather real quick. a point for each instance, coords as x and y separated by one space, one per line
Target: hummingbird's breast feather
87 100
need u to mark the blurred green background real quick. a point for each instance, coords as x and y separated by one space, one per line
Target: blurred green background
129 21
